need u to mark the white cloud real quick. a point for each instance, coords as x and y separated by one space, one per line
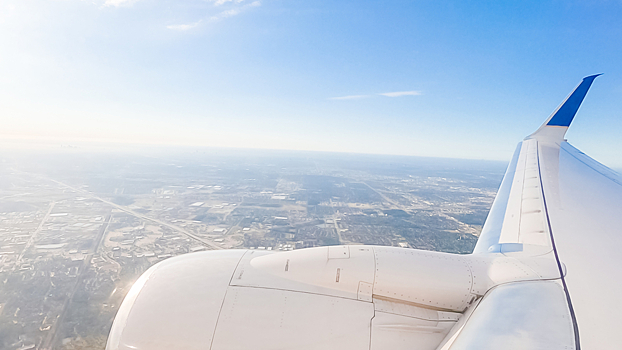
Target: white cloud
118 3
221 15
351 97
387 94
401 93
225 14
234 11
221 2
183 27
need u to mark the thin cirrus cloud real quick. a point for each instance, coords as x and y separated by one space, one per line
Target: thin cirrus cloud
401 93
118 3
221 15
234 11
182 27
221 2
386 94
351 97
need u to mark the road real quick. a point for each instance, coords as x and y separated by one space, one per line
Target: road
31 240
141 216
337 230
52 336
127 210
380 194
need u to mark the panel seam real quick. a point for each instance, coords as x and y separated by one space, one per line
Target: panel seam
225 298
300 291
559 264
616 181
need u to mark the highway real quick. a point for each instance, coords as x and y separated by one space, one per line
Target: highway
141 216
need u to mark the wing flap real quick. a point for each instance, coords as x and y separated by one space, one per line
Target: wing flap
521 316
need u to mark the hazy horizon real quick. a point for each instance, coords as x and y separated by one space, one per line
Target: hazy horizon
451 79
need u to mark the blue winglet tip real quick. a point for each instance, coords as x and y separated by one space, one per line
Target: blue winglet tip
592 77
566 112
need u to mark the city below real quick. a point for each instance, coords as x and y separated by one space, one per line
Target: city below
77 228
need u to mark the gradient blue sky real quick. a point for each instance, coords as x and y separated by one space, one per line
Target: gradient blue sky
429 78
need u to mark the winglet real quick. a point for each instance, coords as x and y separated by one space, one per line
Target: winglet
556 126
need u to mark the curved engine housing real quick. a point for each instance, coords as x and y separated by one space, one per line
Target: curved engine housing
323 298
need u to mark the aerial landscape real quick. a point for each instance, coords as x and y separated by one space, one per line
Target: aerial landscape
78 228
139 132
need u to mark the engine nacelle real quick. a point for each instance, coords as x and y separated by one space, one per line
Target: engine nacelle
241 299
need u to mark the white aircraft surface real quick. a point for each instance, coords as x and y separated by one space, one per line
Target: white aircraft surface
545 274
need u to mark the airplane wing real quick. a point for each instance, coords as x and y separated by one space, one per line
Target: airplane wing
557 202
544 275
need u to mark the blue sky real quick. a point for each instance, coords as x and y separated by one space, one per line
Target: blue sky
428 78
